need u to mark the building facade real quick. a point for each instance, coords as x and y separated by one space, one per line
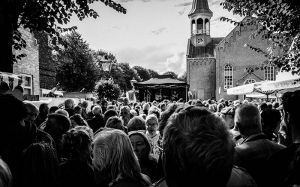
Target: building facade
216 64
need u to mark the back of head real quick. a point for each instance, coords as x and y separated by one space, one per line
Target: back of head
154 110
31 107
12 111
197 147
115 122
97 111
69 103
79 120
146 106
263 106
6 179
62 112
53 109
113 155
248 120
220 107
136 123
110 113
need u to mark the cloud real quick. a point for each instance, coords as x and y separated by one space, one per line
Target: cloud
176 63
159 58
217 2
184 4
157 32
182 11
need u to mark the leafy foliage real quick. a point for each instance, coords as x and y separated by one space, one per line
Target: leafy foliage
42 16
280 22
107 89
152 73
76 68
128 74
142 72
174 75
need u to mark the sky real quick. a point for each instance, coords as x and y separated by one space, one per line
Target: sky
153 34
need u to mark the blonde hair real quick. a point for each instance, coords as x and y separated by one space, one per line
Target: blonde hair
113 155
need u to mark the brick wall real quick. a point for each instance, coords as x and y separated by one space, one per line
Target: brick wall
47 68
232 50
202 76
29 65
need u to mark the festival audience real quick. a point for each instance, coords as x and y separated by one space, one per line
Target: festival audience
69 106
153 134
116 123
43 113
77 120
32 112
110 113
125 114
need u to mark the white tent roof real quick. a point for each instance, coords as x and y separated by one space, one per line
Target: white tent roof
281 84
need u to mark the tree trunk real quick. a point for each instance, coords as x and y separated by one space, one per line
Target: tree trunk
6 31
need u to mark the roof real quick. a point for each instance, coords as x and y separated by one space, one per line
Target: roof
200 6
160 82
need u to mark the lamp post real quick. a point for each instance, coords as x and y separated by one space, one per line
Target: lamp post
106 64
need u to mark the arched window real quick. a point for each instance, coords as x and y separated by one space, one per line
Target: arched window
249 81
228 76
207 26
269 73
200 26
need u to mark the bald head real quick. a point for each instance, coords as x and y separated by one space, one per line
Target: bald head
248 120
32 112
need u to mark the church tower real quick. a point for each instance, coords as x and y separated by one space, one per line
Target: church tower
201 60
200 16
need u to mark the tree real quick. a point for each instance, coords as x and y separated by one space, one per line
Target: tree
174 75
42 16
76 68
128 74
183 77
142 72
107 89
152 73
280 23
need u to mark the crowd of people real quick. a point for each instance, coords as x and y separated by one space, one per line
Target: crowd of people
160 144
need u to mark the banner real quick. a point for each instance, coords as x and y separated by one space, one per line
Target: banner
241 90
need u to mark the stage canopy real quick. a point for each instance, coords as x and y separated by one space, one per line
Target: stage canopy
165 81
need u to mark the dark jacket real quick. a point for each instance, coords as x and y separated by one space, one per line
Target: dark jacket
252 154
96 122
278 166
70 111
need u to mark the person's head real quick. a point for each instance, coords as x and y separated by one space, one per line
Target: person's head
197 147
44 109
111 107
6 179
154 110
248 120
140 144
291 103
126 101
77 120
78 110
110 113
133 113
69 103
32 112
115 123
77 144
263 106
104 104
125 112
113 155
53 109
227 114
62 112
136 123
97 111
146 106
85 104
57 125
151 123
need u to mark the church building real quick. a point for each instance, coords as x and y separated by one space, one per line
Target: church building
215 64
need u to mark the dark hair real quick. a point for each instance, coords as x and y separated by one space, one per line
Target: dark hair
79 120
109 113
116 123
77 108
53 109
136 123
165 116
197 147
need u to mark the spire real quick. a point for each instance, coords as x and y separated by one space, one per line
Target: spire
200 6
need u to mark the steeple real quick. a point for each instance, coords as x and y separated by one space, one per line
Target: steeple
200 6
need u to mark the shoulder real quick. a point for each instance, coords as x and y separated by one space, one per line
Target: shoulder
239 177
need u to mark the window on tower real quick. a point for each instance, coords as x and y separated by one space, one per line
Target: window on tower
228 76
269 73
